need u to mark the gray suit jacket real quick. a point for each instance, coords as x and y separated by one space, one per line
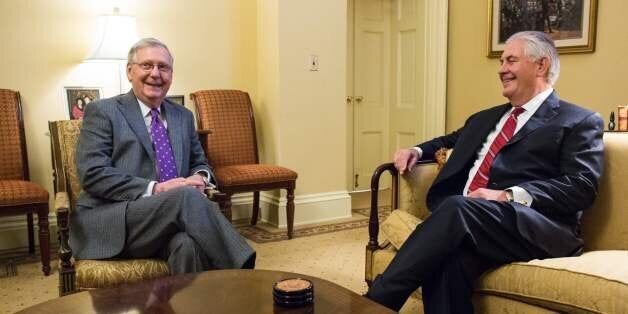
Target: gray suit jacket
116 162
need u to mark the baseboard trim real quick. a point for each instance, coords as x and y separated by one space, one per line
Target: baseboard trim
13 232
309 208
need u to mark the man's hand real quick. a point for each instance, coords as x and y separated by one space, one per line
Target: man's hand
195 181
405 159
490 195
161 187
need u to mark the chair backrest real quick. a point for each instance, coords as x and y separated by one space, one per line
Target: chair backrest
227 115
13 156
63 138
604 224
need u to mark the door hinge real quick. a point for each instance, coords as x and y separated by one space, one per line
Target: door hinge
356 184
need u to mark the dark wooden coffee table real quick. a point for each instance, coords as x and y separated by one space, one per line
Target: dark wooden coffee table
219 291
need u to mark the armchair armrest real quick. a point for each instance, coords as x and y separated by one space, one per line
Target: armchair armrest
202 134
374 214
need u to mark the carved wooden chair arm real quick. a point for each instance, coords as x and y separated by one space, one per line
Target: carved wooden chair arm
374 215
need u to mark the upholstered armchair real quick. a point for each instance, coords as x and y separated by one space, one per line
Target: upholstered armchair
595 282
18 195
227 133
79 275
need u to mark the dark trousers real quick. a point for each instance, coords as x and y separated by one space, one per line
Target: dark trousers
461 239
183 227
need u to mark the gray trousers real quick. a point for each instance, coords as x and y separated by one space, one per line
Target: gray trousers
183 227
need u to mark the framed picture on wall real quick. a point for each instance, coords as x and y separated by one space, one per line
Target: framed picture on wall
571 23
177 99
76 98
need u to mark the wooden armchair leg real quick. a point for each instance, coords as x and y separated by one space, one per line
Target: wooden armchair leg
67 273
255 215
31 233
290 210
44 238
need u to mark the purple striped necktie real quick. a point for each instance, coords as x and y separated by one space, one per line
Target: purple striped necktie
481 177
167 169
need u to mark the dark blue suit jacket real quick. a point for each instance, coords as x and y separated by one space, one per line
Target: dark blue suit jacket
556 157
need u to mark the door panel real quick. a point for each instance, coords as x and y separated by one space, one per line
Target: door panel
371 87
408 57
388 81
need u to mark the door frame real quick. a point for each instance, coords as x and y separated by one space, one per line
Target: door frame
435 99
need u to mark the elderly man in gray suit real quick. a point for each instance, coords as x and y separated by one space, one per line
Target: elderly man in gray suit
143 174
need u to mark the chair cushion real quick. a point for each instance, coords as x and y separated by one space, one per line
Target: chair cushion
18 192
398 227
92 274
252 174
595 282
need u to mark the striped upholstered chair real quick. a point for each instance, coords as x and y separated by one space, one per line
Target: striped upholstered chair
227 130
80 275
18 195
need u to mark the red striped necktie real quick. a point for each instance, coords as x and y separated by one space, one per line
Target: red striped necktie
481 177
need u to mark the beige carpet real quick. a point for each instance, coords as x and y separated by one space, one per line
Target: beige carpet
336 256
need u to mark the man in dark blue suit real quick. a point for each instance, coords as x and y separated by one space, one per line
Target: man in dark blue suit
513 190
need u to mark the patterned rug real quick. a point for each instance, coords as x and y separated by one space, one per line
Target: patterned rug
10 258
265 234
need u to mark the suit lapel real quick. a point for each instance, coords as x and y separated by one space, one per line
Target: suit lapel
175 122
467 149
546 112
130 109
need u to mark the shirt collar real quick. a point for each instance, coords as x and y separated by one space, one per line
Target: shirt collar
146 109
533 104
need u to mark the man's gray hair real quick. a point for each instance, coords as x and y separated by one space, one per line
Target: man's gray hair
538 45
143 43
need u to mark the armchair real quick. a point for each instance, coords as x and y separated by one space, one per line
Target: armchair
18 195
227 130
79 275
595 282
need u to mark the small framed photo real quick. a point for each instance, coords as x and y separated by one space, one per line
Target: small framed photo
76 98
177 99
571 23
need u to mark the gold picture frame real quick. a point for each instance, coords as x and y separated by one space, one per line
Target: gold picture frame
76 98
572 23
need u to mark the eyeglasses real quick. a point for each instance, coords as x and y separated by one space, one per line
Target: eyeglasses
147 67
